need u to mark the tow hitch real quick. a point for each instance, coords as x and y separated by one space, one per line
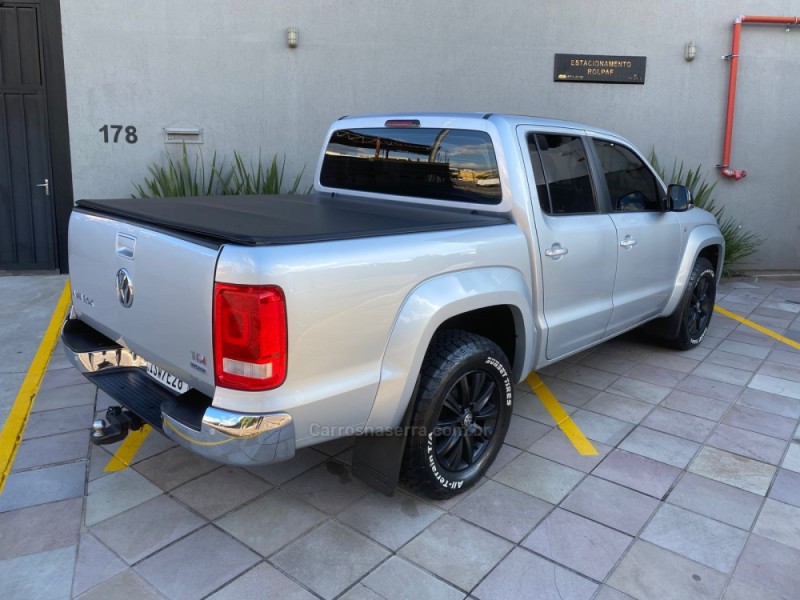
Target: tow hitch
120 421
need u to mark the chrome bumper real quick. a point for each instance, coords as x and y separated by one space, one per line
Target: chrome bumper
223 436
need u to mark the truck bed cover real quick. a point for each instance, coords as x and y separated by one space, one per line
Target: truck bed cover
287 219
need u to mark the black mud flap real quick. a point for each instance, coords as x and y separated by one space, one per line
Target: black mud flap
377 458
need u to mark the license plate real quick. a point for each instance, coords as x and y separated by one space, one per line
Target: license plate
167 379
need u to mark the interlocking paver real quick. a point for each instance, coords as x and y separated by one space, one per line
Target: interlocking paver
523 572
694 536
40 486
779 522
772 403
557 447
390 521
611 504
53 395
330 559
639 390
539 477
699 406
648 571
397 579
271 522
116 493
637 472
619 407
329 486
660 446
738 590
42 575
146 528
220 491
582 545
717 500
600 428
196 565
262 581
174 467
456 551
49 450
775 385
94 564
759 421
786 487
738 471
503 510
748 443
770 565
39 528
523 432
679 423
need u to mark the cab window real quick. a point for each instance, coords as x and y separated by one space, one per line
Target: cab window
631 185
562 174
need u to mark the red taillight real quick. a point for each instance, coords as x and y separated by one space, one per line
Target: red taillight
401 123
249 336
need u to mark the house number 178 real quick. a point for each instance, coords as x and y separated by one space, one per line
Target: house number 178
111 133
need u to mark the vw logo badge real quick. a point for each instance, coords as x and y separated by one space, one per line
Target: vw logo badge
124 288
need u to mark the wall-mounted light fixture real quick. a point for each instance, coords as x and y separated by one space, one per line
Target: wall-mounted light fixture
691 52
291 37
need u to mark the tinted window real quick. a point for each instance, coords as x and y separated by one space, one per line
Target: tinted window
444 164
566 188
631 185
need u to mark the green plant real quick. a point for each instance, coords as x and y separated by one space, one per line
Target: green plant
262 179
739 242
181 177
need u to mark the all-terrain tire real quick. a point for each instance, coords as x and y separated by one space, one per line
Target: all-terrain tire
461 414
691 319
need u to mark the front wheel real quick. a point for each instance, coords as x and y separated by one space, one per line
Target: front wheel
694 312
461 414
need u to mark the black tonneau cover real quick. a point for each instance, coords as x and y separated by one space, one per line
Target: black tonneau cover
287 219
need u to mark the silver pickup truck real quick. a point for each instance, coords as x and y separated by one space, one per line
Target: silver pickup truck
440 259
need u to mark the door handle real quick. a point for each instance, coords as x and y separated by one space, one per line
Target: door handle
46 186
628 242
556 251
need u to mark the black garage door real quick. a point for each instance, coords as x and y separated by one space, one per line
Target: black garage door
27 228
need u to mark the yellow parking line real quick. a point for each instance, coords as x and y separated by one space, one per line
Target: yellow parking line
560 416
11 435
757 327
124 455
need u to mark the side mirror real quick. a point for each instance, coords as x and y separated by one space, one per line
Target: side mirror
679 198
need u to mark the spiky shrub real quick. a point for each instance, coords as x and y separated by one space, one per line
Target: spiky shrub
183 177
739 242
247 179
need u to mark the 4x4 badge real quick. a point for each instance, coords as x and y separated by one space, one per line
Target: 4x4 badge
124 288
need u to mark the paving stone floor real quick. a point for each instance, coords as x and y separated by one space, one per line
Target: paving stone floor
695 493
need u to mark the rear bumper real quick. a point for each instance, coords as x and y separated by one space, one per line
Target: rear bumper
188 419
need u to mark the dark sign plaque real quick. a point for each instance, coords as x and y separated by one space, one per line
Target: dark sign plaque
599 68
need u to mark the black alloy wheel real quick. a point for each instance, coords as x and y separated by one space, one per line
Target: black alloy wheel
701 304
466 421
461 414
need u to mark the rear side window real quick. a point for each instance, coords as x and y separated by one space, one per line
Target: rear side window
562 174
443 164
631 185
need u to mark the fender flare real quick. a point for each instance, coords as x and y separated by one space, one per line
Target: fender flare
700 238
424 310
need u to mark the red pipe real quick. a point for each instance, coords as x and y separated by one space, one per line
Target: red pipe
734 58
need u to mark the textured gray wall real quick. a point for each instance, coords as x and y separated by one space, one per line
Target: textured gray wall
224 66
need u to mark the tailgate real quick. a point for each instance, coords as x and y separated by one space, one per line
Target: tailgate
164 311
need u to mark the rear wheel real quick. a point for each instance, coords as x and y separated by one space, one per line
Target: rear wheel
694 313
461 414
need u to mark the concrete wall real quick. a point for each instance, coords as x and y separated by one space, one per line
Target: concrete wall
224 66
